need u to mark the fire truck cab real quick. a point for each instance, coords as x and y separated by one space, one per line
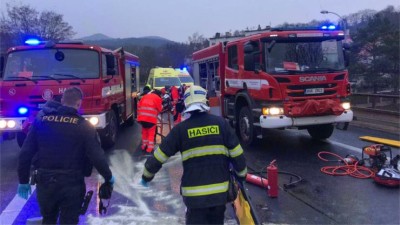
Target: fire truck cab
277 79
42 71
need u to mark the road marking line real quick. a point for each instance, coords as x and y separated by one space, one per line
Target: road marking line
13 209
349 147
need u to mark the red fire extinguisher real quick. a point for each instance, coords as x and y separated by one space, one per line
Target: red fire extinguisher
254 179
272 172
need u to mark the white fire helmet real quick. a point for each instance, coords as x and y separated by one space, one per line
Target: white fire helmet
196 99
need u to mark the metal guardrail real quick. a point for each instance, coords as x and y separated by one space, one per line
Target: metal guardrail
376 111
376 102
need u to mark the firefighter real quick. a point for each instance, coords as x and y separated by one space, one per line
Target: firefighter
62 143
180 106
146 90
175 99
149 107
208 146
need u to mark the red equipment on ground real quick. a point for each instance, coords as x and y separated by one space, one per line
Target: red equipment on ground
271 183
382 169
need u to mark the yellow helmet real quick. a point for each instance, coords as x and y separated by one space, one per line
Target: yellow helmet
195 99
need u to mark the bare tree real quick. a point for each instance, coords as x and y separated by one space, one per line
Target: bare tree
21 22
197 41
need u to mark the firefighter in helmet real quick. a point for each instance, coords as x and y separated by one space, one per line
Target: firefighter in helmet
150 105
208 147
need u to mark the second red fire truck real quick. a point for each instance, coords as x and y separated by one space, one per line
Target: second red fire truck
41 71
278 79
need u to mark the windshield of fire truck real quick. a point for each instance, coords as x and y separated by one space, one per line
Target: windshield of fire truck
42 64
304 57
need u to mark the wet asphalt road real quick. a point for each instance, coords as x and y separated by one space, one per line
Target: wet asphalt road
318 199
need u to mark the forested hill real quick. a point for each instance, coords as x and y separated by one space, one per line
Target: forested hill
113 43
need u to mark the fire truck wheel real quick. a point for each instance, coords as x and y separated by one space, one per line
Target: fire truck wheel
321 132
20 138
245 127
108 136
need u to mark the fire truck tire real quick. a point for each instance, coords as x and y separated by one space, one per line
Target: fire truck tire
245 128
321 132
21 138
108 135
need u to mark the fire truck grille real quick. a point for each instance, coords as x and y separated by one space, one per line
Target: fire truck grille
312 90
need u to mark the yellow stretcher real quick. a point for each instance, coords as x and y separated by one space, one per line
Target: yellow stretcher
384 141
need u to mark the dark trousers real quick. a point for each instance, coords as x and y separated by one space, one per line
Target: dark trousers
60 197
210 215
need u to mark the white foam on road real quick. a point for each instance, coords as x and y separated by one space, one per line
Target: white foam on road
13 209
128 174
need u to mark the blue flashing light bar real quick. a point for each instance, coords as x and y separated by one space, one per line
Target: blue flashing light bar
331 27
22 110
328 27
184 68
32 41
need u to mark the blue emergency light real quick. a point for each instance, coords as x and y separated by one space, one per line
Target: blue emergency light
22 110
328 27
184 68
32 41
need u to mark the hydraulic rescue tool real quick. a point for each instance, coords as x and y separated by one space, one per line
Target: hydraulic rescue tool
376 164
386 168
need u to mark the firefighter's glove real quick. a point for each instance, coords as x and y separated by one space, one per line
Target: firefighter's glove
24 190
112 180
144 183
105 190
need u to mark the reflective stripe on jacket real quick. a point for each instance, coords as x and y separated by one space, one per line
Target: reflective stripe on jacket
150 105
207 145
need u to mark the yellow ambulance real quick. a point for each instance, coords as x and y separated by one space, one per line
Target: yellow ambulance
184 76
160 77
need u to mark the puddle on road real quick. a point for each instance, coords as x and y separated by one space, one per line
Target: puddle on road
160 203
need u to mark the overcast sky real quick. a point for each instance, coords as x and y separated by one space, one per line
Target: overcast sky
178 19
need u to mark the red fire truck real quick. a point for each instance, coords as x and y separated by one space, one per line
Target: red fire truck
278 79
40 71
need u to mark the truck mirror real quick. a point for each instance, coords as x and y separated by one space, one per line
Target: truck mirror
110 60
249 62
271 45
1 65
346 56
346 46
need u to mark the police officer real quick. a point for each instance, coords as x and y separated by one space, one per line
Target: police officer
62 142
150 105
208 146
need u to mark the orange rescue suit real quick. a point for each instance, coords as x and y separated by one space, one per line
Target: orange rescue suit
149 107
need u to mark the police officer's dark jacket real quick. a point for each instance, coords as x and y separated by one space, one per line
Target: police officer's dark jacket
207 145
61 139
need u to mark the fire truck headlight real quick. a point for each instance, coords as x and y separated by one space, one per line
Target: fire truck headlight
94 120
272 111
346 105
11 124
3 124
